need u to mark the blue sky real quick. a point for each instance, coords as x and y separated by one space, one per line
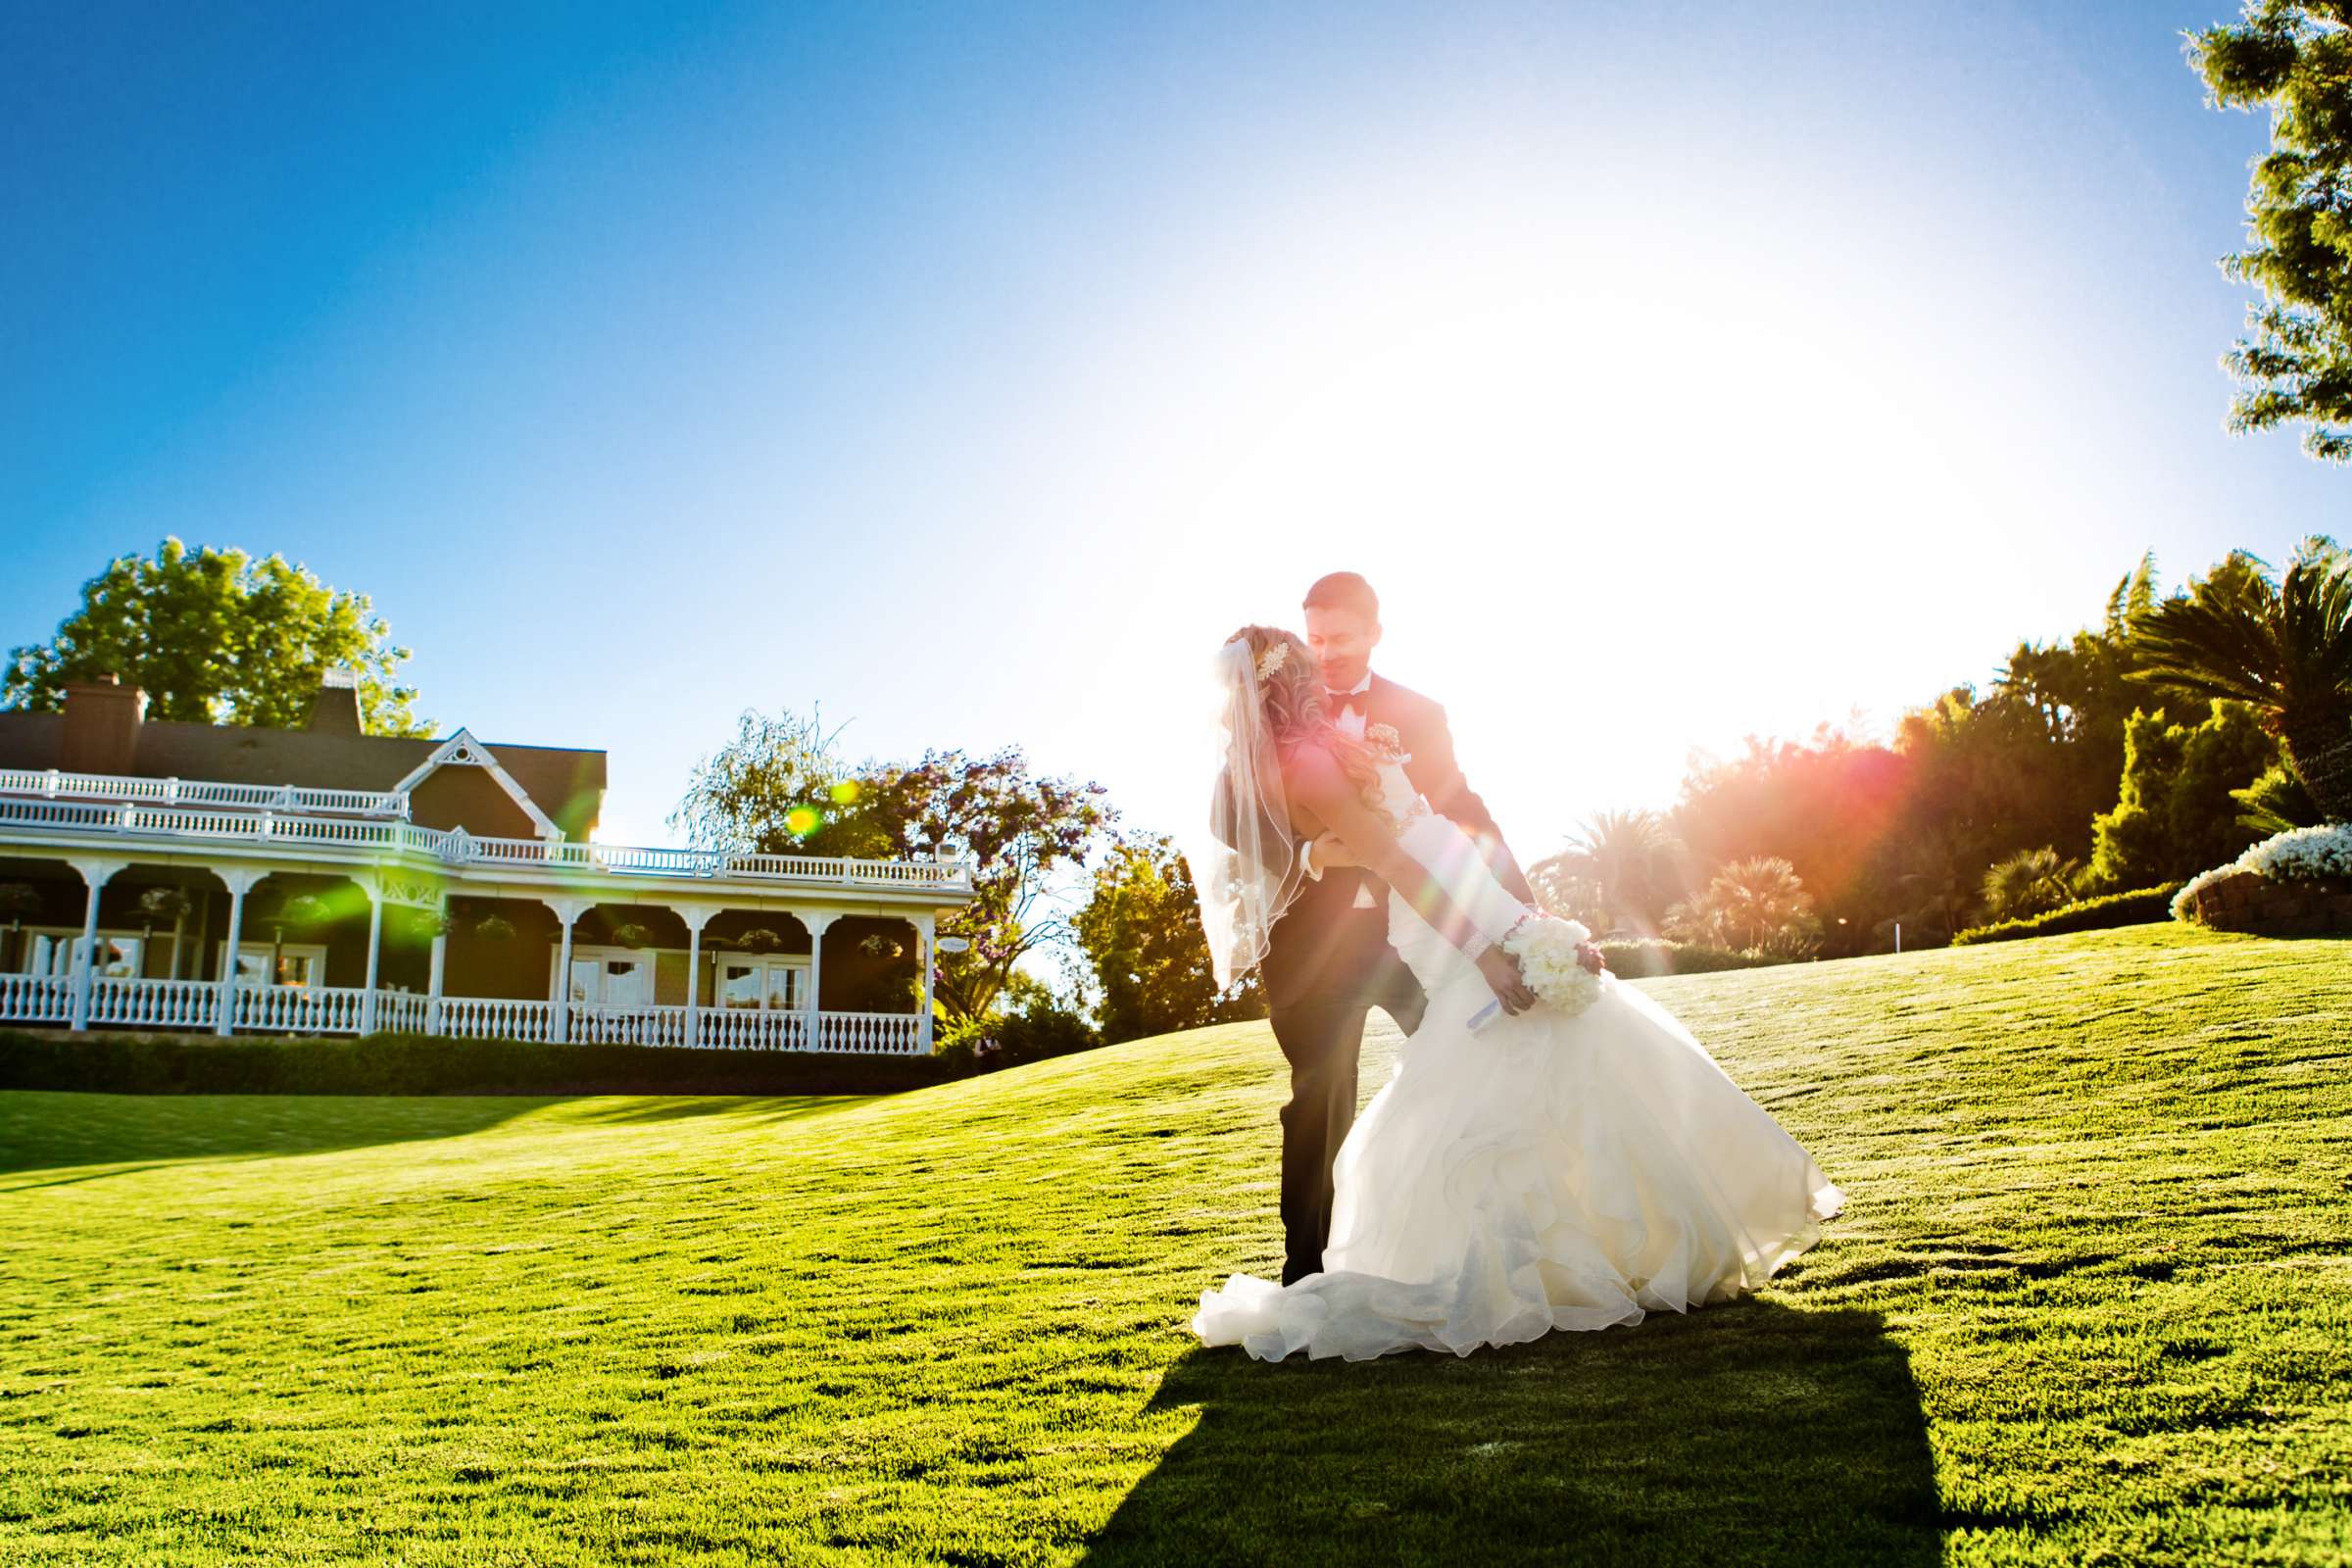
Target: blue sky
1678 371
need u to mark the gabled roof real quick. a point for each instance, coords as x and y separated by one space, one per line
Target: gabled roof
564 786
462 750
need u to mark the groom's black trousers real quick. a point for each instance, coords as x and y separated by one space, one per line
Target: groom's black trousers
1321 1038
1321 1041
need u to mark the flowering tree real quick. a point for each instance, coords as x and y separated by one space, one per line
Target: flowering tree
782 788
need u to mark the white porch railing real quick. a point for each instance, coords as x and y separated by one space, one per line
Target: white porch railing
52 784
754 1029
493 1018
300 1010
36 998
191 1006
166 825
898 1034
155 1003
402 1011
628 1026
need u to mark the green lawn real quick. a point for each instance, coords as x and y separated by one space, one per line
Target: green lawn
2092 1302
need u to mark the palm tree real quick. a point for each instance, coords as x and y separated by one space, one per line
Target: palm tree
1631 857
2029 882
1757 905
2284 647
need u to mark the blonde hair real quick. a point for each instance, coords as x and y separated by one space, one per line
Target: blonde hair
1290 693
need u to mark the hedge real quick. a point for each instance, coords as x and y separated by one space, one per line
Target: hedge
428 1064
2141 907
1643 960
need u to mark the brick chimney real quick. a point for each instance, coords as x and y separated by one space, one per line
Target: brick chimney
102 726
336 710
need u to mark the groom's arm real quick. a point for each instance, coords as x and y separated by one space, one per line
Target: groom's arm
1439 777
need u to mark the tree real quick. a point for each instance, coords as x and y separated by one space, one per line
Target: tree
217 637
2276 803
1564 889
1140 931
2178 810
2295 56
2282 646
1757 905
1019 831
1832 806
1632 858
781 788
2029 882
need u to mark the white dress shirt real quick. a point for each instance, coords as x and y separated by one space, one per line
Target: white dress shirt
1350 723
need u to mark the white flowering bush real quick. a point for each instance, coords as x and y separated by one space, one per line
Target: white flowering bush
2299 854
1559 961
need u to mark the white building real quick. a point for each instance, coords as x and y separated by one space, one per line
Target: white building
447 887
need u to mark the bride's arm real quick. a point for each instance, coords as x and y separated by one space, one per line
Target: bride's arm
1317 784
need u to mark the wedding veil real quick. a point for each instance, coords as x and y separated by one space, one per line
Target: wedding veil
1244 857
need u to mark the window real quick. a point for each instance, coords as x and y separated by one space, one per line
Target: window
54 952
780 985
297 965
612 979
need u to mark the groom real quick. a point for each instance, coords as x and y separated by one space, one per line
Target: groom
1328 960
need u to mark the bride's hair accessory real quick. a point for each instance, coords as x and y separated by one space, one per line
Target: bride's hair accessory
1290 688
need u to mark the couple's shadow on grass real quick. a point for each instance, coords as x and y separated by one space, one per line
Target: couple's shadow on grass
1748 1433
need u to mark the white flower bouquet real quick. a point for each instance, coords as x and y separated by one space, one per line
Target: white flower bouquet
1559 962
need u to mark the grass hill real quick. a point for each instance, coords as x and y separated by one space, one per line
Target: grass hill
2092 1302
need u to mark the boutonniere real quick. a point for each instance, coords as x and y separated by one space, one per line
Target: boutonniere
1386 743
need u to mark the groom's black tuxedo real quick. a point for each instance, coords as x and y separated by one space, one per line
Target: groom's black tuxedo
1328 963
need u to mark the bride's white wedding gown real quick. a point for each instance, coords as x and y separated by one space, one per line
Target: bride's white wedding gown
1544 1172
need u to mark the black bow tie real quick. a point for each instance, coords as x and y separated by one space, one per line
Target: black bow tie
1342 702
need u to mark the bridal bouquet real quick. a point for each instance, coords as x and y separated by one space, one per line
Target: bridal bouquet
1559 960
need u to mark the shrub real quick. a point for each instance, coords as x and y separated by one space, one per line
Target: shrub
2178 805
2141 907
1645 957
2028 883
2299 854
1757 905
1004 1039
428 1064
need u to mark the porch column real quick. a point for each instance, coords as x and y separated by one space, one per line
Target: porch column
559 1022
815 921
432 989
375 949
240 880
696 917
96 873
926 927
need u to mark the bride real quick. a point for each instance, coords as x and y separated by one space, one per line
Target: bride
1525 1170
